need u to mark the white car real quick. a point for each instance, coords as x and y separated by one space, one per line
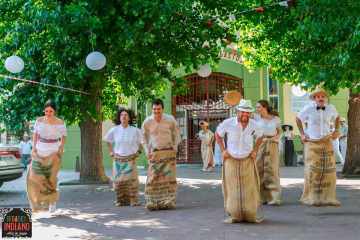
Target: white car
10 168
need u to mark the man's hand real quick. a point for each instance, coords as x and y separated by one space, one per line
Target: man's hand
335 135
225 155
111 154
253 154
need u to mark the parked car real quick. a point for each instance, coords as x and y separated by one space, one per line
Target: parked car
6 149
10 168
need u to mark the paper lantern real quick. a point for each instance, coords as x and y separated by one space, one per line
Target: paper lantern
297 91
95 60
14 64
204 70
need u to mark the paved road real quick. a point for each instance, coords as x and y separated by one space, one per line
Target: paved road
86 212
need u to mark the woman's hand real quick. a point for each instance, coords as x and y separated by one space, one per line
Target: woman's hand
61 149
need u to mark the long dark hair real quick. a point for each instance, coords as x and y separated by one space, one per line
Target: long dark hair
128 111
265 104
50 103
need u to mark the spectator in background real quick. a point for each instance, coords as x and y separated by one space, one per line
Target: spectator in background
25 150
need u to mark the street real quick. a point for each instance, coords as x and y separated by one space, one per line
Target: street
87 212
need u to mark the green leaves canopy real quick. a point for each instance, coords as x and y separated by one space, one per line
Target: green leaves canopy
143 40
311 43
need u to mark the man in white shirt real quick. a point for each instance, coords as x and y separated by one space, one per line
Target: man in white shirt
240 178
25 150
320 165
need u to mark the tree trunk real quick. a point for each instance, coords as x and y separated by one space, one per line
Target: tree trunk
352 162
91 167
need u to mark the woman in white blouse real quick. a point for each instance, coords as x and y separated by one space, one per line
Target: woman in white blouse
48 146
124 143
268 155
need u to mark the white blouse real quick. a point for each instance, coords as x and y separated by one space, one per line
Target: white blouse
49 132
126 141
269 126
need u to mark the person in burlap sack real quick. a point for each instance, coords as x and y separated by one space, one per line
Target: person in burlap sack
124 142
161 139
48 141
268 155
319 161
207 152
240 179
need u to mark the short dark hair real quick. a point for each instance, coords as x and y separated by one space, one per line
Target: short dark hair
131 114
50 103
158 101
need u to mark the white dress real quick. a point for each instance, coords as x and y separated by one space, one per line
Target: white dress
49 132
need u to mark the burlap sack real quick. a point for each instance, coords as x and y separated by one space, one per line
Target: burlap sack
160 189
319 174
241 190
267 162
126 181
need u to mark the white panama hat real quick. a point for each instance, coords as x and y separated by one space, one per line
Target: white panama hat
245 106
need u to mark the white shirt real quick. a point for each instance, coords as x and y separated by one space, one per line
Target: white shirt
49 131
269 126
25 147
239 141
126 141
318 121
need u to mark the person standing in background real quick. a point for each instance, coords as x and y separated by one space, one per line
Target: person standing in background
343 137
25 150
207 153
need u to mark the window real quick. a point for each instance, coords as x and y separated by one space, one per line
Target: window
273 93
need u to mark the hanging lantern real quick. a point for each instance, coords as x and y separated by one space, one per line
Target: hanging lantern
204 70
95 61
297 91
14 64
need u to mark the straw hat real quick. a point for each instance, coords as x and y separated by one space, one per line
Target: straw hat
245 106
232 98
342 119
203 123
317 91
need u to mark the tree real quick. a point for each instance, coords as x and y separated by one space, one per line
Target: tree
143 40
310 43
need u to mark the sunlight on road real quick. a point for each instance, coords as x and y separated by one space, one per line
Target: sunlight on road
149 223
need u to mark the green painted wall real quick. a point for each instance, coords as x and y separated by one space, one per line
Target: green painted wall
251 79
73 148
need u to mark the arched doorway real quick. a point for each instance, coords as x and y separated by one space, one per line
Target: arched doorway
203 101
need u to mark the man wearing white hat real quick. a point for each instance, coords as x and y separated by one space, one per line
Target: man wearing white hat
320 166
241 188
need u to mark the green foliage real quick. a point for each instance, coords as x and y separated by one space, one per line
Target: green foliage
140 39
312 43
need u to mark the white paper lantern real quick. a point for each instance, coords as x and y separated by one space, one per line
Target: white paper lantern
204 70
14 64
298 91
95 60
